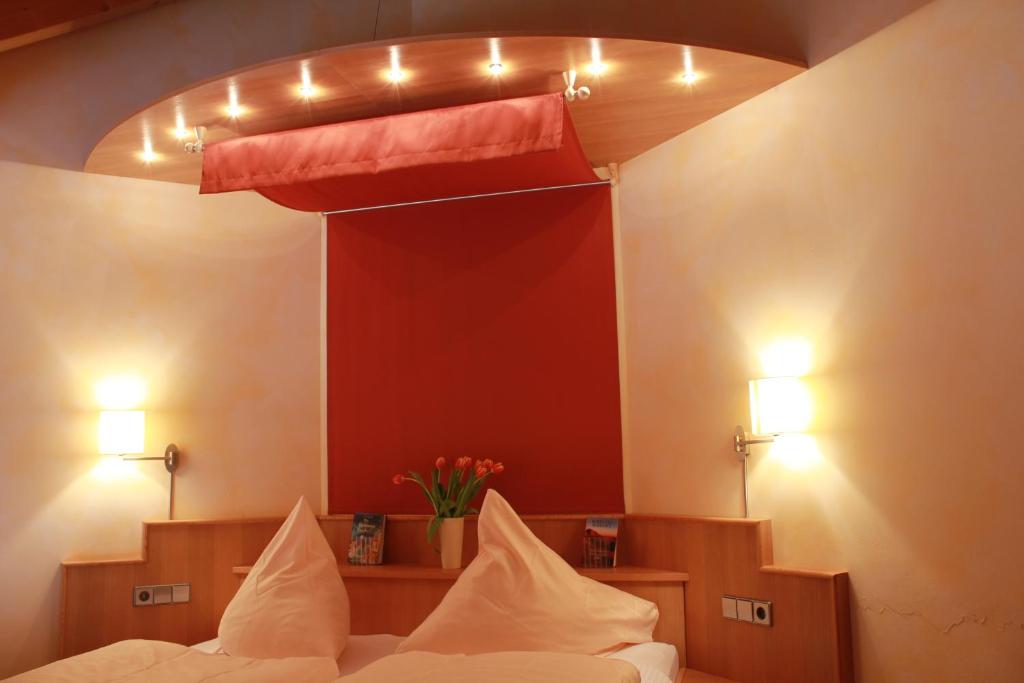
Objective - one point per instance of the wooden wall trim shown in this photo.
(810, 641)
(810, 637)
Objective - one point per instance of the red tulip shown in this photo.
(488, 463)
(481, 471)
(462, 463)
(498, 468)
(398, 479)
(439, 463)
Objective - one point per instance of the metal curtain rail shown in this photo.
(466, 196)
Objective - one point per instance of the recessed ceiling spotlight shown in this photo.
(495, 66)
(234, 109)
(147, 154)
(306, 87)
(597, 65)
(395, 74)
(180, 131)
(689, 76)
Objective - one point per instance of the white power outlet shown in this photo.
(162, 594)
(762, 613)
(142, 595)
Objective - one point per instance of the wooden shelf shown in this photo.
(629, 574)
(429, 573)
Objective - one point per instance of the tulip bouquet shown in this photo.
(452, 499)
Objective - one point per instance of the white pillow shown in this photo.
(293, 603)
(519, 595)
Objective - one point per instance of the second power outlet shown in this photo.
(747, 609)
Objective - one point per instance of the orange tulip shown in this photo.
(498, 468)
(488, 463)
(481, 471)
(439, 463)
(398, 479)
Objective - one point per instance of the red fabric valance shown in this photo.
(472, 149)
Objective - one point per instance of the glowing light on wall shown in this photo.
(597, 65)
(796, 451)
(122, 432)
(120, 392)
(113, 468)
(788, 357)
(395, 74)
(781, 408)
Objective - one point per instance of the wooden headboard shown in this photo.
(808, 642)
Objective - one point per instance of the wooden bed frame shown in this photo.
(684, 564)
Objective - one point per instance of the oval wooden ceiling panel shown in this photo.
(638, 102)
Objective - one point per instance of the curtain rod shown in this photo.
(465, 196)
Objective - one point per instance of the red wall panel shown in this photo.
(482, 327)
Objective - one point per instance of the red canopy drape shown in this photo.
(472, 149)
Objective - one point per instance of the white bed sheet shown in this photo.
(656, 662)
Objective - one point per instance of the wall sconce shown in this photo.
(123, 433)
(778, 405)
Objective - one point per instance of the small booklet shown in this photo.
(600, 542)
(367, 544)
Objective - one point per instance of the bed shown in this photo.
(366, 658)
(656, 662)
(517, 613)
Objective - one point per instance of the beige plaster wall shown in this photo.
(872, 206)
(214, 301)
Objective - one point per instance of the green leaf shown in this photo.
(437, 489)
(419, 480)
(432, 529)
(469, 493)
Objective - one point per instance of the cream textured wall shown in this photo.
(213, 300)
(874, 207)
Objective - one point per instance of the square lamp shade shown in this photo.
(122, 432)
(779, 405)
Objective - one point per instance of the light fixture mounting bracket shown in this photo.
(741, 442)
(171, 458)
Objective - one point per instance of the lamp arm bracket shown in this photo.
(741, 442)
(171, 457)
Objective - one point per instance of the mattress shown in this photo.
(656, 662)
